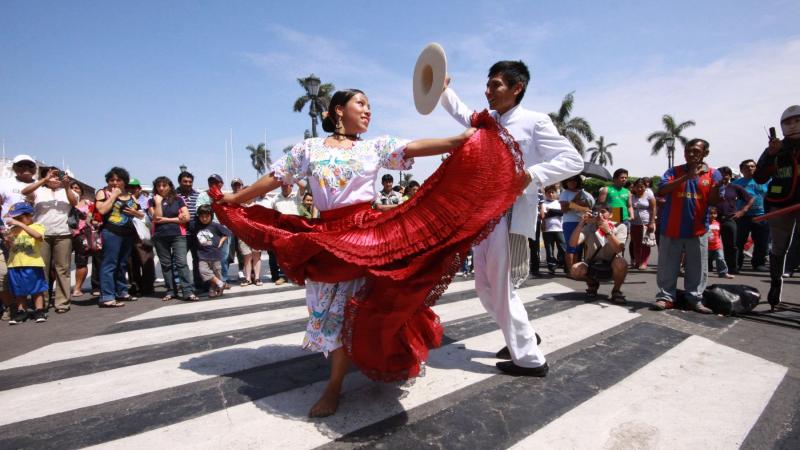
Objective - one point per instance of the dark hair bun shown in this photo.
(328, 125)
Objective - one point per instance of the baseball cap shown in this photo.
(20, 208)
(215, 178)
(134, 182)
(20, 158)
(237, 180)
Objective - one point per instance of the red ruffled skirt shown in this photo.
(408, 255)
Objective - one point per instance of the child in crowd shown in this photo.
(211, 236)
(25, 263)
(554, 243)
(715, 252)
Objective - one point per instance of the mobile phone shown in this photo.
(772, 134)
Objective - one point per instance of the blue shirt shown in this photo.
(757, 191)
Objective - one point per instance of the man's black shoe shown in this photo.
(513, 369)
(504, 353)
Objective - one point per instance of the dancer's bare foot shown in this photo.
(327, 403)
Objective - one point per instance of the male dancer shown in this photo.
(548, 158)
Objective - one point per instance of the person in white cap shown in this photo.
(24, 168)
(779, 163)
(548, 158)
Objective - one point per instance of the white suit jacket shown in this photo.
(548, 156)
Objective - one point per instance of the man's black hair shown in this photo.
(696, 140)
(185, 174)
(513, 72)
(745, 162)
(619, 172)
(387, 177)
(412, 183)
(725, 170)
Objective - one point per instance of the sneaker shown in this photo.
(702, 309)
(39, 316)
(18, 317)
(761, 268)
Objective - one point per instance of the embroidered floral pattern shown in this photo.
(326, 302)
(334, 168)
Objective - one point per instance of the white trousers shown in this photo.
(492, 259)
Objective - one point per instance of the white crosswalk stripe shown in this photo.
(638, 409)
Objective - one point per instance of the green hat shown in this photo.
(134, 182)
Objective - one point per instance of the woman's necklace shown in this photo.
(342, 136)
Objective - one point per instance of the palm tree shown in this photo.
(672, 132)
(600, 153)
(259, 158)
(320, 103)
(405, 178)
(573, 128)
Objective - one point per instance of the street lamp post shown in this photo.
(670, 142)
(311, 83)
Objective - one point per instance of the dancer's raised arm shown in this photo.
(264, 184)
(437, 146)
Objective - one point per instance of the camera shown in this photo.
(595, 214)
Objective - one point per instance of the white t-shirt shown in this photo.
(641, 207)
(552, 223)
(11, 190)
(51, 208)
(568, 196)
(286, 205)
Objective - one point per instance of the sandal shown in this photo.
(166, 298)
(192, 298)
(618, 297)
(258, 283)
(127, 298)
(591, 290)
(111, 304)
(245, 283)
(76, 294)
(661, 305)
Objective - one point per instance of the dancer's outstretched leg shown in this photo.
(329, 401)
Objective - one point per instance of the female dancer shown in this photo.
(343, 169)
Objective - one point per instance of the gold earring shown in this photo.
(339, 126)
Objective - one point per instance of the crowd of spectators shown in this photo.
(702, 219)
(50, 225)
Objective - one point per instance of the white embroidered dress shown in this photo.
(337, 178)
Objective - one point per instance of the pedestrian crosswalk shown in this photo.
(230, 373)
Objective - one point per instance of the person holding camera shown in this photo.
(604, 243)
(779, 165)
(52, 203)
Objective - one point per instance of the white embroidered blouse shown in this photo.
(341, 177)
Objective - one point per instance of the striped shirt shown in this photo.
(191, 202)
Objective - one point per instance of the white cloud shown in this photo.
(731, 97)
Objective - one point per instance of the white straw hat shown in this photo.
(429, 73)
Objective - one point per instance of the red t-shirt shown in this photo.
(714, 240)
(685, 212)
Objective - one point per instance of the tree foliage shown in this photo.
(659, 138)
(260, 158)
(600, 153)
(575, 129)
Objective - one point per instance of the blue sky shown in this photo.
(153, 85)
